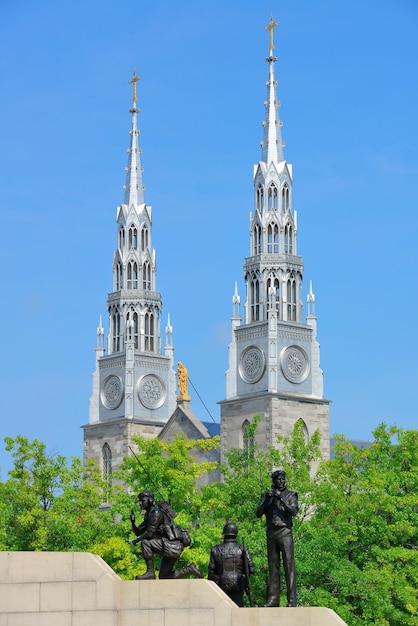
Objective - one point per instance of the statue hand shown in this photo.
(132, 516)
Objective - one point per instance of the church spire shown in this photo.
(272, 144)
(134, 189)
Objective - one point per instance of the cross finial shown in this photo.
(272, 25)
(133, 82)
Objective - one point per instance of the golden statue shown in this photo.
(183, 380)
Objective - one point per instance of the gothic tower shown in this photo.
(273, 367)
(134, 383)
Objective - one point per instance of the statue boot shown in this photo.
(150, 573)
(186, 571)
(273, 598)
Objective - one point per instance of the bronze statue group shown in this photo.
(230, 564)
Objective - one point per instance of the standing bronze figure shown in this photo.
(158, 535)
(279, 505)
(231, 565)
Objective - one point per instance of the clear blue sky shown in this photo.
(348, 86)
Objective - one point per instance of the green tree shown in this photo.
(170, 471)
(359, 551)
(247, 474)
(47, 504)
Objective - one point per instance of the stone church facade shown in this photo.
(274, 355)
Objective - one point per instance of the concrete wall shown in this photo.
(79, 589)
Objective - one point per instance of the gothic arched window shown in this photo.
(285, 197)
(272, 198)
(132, 281)
(288, 239)
(107, 468)
(272, 239)
(273, 293)
(118, 277)
(300, 423)
(291, 299)
(260, 198)
(257, 239)
(149, 331)
(116, 331)
(248, 439)
(133, 237)
(146, 276)
(135, 330)
(255, 299)
(121, 238)
(144, 238)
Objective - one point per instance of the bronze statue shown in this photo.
(158, 535)
(279, 505)
(231, 565)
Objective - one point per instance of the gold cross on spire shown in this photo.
(133, 82)
(272, 25)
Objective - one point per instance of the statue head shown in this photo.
(230, 530)
(279, 479)
(146, 499)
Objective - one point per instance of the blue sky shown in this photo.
(348, 86)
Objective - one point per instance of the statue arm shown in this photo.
(290, 503)
(137, 530)
(261, 509)
(212, 567)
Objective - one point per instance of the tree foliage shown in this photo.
(47, 504)
(356, 534)
(359, 552)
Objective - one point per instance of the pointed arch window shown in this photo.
(272, 198)
(304, 429)
(291, 299)
(118, 277)
(135, 330)
(257, 239)
(133, 237)
(149, 331)
(260, 198)
(144, 238)
(248, 440)
(272, 239)
(107, 469)
(132, 329)
(121, 238)
(255, 299)
(132, 280)
(116, 331)
(285, 197)
(146, 276)
(288, 239)
(273, 293)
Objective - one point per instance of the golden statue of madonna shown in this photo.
(183, 382)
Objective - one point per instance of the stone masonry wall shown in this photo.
(80, 589)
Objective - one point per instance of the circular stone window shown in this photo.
(112, 392)
(252, 363)
(151, 391)
(294, 364)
